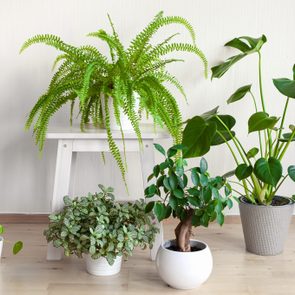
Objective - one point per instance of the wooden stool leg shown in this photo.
(61, 186)
(147, 164)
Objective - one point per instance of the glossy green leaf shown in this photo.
(239, 94)
(210, 114)
(219, 70)
(285, 86)
(203, 165)
(156, 170)
(150, 191)
(252, 152)
(178, 193)
(197, 137)
(194, 201)
(203, 180)
(220, 218)
(243, 171)
(245, 44)
(173, 202)
(160, 211)
(229, 122)
(149, 207)
(238, 44)
(229, 203)
(269, 171)
(286, 137)
(167, 184)
(291, 172)
(261, 121)
(17, 247)
(160, 149)
(173, 181)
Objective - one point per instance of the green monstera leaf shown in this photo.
(261, 121)
(247, 45)
(239, 93)
(269, 171)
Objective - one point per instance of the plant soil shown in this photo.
(277, 201)
(177, 249)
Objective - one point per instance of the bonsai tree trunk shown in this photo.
(183, 232)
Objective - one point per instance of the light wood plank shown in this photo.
(235, 272)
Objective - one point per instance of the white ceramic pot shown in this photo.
(125, 122)
(184, 270)
(101, 267)
(1, 246)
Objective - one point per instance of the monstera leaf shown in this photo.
(239, 93)
(268, 170)
(285, 85)
(260, 121)
(206, 130)
(247, 45)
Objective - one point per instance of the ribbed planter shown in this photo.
(265, 227)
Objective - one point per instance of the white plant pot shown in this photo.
(184, 270)
(101, 267)
(1, 245)
(125, 122)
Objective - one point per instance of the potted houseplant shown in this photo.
(114, 92)
(17, 247)
(265, 215)
(185, 263)
(101, 230)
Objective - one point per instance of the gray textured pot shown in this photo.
(265, 227)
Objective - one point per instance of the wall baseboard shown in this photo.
(7, 218)
(23, 218)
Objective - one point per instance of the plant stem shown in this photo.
(237, 143)
(287, 145)
(237, 162)
(281, 126)
(259, 133)
(262, 101)
(284, 178)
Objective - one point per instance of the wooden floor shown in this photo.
(235, 271)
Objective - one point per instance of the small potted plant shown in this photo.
(264, 213)
(17, 247)
(186, 263)
(113, 91)
(101, 230)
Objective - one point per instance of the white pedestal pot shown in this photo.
(100, 266)
(184, 270)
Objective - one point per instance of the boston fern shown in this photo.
(89, 78)
(259, 168)
(101, 227)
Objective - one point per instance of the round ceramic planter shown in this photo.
(101, 267)
(265, 227)
(184, 270)
(1, 246)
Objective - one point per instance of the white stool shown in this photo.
(72, 140)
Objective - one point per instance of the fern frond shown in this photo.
(185, 47)
(112, 145)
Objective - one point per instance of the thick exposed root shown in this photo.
(183, 232)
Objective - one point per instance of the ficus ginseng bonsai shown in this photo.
(87, 77)
(17, 246)
(193, 204)
(259, 169)
(101, 227)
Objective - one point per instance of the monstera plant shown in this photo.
(131, 76)
(259, 168)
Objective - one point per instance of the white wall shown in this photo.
(26, 179)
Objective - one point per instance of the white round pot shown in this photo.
(101, 267)
(184, 270)
(125, 122)
(1, 246)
